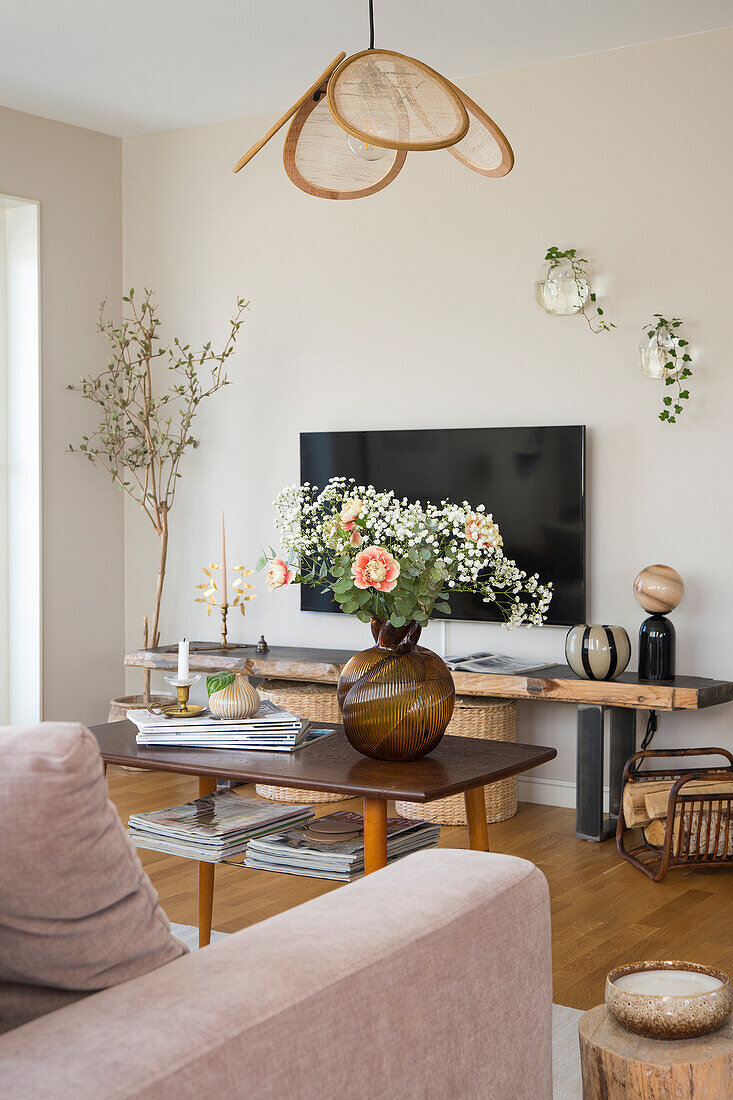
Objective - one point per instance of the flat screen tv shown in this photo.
(531, 479)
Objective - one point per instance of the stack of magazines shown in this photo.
(333, 847)
(214, 827)
(272, 729)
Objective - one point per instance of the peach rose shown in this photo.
(278, 574)
(350, 513)
(375, 568)
(482, 530)
(356, 538)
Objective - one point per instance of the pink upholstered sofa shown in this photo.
(431, 978)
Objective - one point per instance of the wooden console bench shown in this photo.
(555, 684)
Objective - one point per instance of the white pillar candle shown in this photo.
(224, 600)
(668, 983)
(183, 659)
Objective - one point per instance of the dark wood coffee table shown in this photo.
(459, 765)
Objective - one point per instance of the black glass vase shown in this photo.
(656, 649)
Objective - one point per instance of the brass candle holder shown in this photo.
(183, 709)
(241, 591)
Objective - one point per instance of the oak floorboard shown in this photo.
(604, 911)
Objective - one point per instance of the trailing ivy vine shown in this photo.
(672, 346)
(554, 257)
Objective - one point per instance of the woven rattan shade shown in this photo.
(490, 720)
(318, 703)
(484, 149)
(396, 102)
(289, 113)
(318, 159)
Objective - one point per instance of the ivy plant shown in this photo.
(596, 320)
(673, 352)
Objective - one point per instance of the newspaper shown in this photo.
(493, 662)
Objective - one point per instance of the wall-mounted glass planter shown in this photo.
(654, 354)
(562, 292)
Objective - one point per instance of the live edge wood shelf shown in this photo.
(620, 699)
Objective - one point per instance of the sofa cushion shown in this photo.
(77, 911)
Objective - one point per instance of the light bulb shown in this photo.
(365, 149)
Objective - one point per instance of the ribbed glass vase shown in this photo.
(396, 698)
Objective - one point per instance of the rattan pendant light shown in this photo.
(352, 128)
(318, 159)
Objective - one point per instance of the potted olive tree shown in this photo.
(144, 432)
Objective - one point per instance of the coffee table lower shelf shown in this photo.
(459, 765)
(375, 845)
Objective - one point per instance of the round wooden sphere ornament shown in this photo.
(659, 589)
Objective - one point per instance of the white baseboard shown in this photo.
(551, 792)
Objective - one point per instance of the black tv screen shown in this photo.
(531, 479)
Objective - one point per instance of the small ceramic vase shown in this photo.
(597, 652)
(237, 700)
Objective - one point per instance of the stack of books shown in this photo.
(271, 729)
(213, 828)
(332, 847)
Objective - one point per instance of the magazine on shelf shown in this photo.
(253, 743)
(294, 852)
(493, 662)
(214, 826)
(269, 718)
(182, 734)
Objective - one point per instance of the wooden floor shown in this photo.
(604, 912)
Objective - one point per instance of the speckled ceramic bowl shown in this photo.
(665, 1016)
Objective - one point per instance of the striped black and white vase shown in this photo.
(597, 652)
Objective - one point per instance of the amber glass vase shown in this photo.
(397, 697)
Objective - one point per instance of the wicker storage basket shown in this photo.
(492, 720)
(318, 703)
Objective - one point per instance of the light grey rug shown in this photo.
(565, 1051)
(566, 1084)
(190, 935)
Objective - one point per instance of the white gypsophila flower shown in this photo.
(458, 545)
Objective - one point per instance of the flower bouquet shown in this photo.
(393, 563)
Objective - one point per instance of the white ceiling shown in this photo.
(139, 66)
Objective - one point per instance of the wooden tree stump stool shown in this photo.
(618, 1065)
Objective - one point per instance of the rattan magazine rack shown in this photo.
(685, 814)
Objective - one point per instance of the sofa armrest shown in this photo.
(430, 978)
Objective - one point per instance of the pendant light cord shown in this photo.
(371, 24)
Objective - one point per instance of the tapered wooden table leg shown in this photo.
(478, 836)
(207, 785)
(375, 834)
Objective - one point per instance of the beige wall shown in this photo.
(75, 176)
(415, 308)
